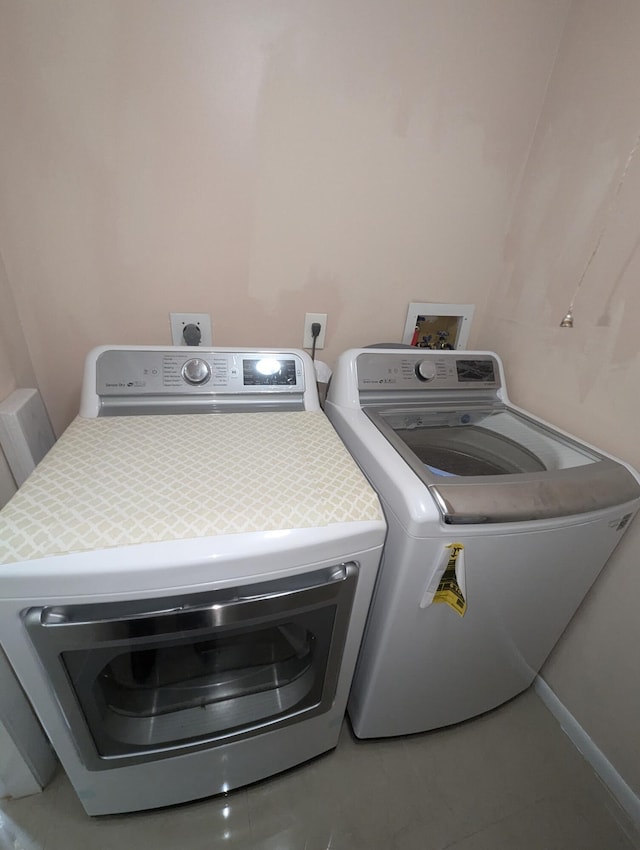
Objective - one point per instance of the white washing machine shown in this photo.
(498, 526)
(185, 578)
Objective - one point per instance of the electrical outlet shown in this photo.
(179, 321)
(309, 319)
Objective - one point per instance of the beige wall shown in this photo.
(257, 159)
(576, 198)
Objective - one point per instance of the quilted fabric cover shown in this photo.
(128, 480)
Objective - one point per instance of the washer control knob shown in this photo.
(426, 370)
(196, 371)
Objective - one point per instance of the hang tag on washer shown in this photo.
(452, 587)
(448, 583)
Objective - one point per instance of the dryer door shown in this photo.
(140, 679)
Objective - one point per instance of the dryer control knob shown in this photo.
(426, 370)
(196, 371)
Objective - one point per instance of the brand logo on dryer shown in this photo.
(120, 385)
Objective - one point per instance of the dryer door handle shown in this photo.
(70, 626)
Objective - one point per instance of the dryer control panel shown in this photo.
(133, 372)
(123, 380)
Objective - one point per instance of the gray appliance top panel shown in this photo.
(134, 381)
(426, 371)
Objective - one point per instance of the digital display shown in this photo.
(268, 372)
(476, 371)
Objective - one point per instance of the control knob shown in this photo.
(196, 371)
(426, 370)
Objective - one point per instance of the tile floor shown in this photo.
(510, 779)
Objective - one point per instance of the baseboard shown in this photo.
(592, 753)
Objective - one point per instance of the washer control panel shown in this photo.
(139, 373)
(427, 370)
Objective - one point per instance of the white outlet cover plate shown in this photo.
(309, 319)
(178, 322)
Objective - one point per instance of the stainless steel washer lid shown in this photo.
(493, 464)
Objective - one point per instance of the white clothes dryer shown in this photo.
(184, 579)
(498, 525)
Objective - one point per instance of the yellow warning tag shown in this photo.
(449, 590)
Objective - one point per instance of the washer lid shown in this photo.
(493, 464)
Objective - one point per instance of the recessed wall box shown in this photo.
(438, 326)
